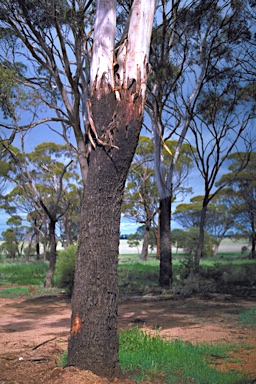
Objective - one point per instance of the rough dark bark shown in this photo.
(165, 275)
(52, 253)
(93, 341)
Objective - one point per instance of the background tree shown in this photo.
(191, 243)
(241, 193)
(219, 219)
(69, 223)
(13, 237)
(140, 197)
(218, 128)
(197, 44)
(178, 237)
(41, 181)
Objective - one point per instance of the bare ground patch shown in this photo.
(34, 331)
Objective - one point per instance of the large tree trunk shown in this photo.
(53, 255)
(165, 275)
(93, 342)
(115, 112)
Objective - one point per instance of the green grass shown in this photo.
(147, 357)
(248, 317)
(32, 290)
(138, 277)
(15, 291)
(23, 273)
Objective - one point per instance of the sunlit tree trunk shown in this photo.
(115, 111)
(144, 251)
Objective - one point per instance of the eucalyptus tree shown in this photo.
(219, 219)
(194, 43)
(13, 236)
(36, 219)
(69, 223)
(223, 122)
(41, 180)
(241, 192)
(141, 200)
(96, 91)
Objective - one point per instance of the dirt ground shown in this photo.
(34, 331)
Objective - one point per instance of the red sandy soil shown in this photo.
(35, 330)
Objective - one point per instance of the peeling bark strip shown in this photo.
(115, 111)
(133, 52)
(103, 44)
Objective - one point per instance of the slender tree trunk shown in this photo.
(165, 276)
(144, 252)
(67, 231)
(158, 247)
(37, 242)
(216, 248)
(93, 342)
(253, 237)
(201, 236)
(158, 251)
(53, 255)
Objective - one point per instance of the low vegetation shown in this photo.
(221, 273)
(147, 357)
(143, 357)
(23, 273)
(152, 359)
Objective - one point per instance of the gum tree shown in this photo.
(97, 94)
(194, 43)
(42, 183)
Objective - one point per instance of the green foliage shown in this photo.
(241, 191)
(65, 268)
(192, 240)
(134, 240)
(153, 358)
(178, 238)
(10, 244)
(138, 277)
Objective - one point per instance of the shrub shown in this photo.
(192, 240)
(65, 268)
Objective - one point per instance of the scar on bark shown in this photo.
(76, 324)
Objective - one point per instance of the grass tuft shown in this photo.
(152, 358)
(248, 316)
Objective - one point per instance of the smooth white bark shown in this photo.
(103, 46)
(134, 50)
